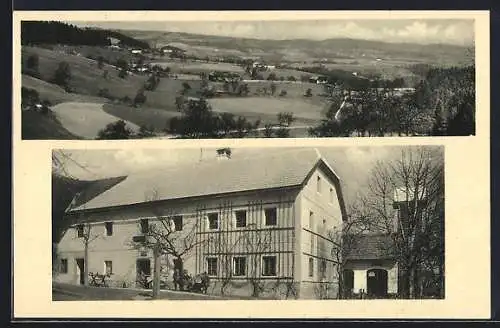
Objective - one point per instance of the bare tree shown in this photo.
(256, 242)
(285, 118)
(167, 234)
(344, 239)
(405, 199)
(84, 232)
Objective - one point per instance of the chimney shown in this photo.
(223, 153)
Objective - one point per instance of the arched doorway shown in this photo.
(376, 282)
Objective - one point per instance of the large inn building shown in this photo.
(266, 218)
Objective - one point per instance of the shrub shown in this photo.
(272, 77)
(103, 93)
(29, 96)
(115, 131)
(145, 132)
(100, 62)
(140, 98)
(62, 75)
(283, 93)
(122, 73)
(268, 130)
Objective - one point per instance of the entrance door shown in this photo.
(348, 282)
(143, 269)
(376, 282)
(80, 264)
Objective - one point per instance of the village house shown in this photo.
(371, 263)
(264, 219)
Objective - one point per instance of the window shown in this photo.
(144, 225)
(178, 222)
(212, 266)
(108, 267)
(322, 269)
(311, 267)
(63, 268)
(331, 195)
(311, 220)
(318, 184)
(241, 219)
(213, 221)
(79, 230)
(109, 228)
(239, 266)
(270, 214)
(269, 265)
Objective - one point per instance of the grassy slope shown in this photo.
(38, 126)
(86, 78)
(309, 49)
(149, 117)
(54, 93)
(160, 104)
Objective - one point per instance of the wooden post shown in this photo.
(86, 264)
(156, 275)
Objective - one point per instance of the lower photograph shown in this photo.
(248, 223)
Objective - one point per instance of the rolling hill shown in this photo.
(345, 48)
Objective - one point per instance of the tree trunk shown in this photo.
(156, 275)
(86, 265)
(404, 283)
(411, 281)
(441, 280)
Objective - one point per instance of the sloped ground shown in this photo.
(85, 119)
(54, 93)
(37, 126)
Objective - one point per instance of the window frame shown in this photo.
(63, 264)
(216, 266)
(217, 219)
(176, 219)
(106, 230)
(244, 258)
(106, 267)
(80, 231)
(275, 269)
(236, 219)
(275, 211)
(322, 268)
(144, 226)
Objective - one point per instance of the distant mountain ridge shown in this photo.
(184, 35)
(336, 47)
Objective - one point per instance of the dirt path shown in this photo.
(85, 119)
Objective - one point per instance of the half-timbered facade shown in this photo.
(258, 223)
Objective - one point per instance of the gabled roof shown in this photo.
(277, 169)
(369, 247)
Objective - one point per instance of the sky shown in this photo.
(352, 164)
(423, 31)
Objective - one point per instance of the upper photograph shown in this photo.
(247, 79)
